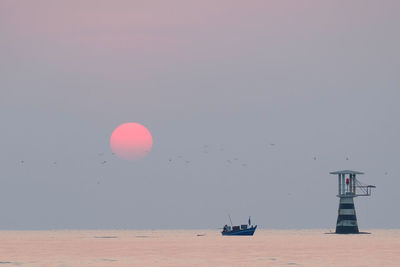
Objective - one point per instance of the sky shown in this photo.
(250, 104)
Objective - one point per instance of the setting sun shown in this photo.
(131, 141)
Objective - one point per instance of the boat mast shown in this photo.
(230, 219)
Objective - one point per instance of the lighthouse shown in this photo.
(349, 188)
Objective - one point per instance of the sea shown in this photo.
(315, 247)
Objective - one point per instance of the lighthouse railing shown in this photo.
(363, 189)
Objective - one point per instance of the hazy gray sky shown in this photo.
(212, 81)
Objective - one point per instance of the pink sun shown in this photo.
(131, 141)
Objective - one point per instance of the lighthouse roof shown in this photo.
(346, 172)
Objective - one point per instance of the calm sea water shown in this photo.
(198, 248)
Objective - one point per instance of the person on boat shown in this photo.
(225, 228)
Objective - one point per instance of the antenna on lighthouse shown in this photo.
(349, 188)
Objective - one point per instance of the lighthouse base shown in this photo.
(347, 220)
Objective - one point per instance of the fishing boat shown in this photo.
(244, 229)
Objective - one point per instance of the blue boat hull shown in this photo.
(249, 231)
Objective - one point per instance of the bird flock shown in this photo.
(206, 149)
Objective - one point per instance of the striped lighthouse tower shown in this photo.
(349, 188)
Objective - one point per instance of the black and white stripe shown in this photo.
(347, 219)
